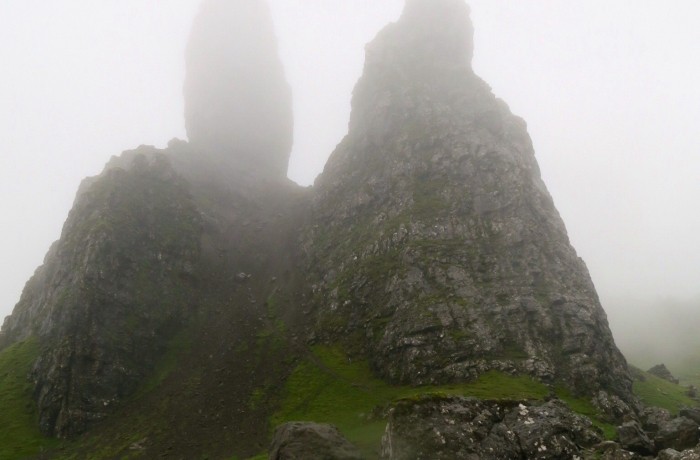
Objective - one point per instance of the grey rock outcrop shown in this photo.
(115, 285)
(672, 454)
(436, 248)
(633, 438)
(680, 433)
(311, 441)
(661, 371)
(691, 413)
(610, 450)
(238, 105)
(653, 417)
(454, 427)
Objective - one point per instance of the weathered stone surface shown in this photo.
(672, 454)
(661, 371)
(680, 433)
(609, 450)
(454, 427)
(114, 286)
(238, 105)
(311, 441)
(653, 417)
(691, 413)
(633, 438)
(436, 249)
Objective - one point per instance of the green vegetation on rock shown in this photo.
(19, 430)
(329, 387)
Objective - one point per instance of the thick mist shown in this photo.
(238, 105)
(609, 91)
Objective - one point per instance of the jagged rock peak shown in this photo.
(426, 54)
(448, 256)
(238, 104)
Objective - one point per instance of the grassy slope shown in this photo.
(328, 388)
(654, 391)
(325, 387)
(19, 432)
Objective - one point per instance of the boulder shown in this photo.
(692, 391)
(680, 433)
(672, 454)
(693, 414)
(653, 417)
(311, 441)
(633, 438)
(609, 450)
(438, 427)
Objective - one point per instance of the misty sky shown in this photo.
(609, 88)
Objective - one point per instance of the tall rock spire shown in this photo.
(238, 105)
(448, 257)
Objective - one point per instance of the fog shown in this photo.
(609, 90)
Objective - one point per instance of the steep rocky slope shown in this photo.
(110, 293)
(197, 297)
(163, 238)
(438, 250)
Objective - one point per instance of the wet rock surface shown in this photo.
(455, 427)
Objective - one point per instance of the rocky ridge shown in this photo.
(429, 247)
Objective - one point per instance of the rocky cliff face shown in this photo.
(238, 107)
(438, 250)
(110, 293)
(429, 246)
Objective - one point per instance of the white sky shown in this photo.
(610, 90)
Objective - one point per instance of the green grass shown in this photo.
(585, 407)
(654, 391)
(19, 427)
(329, 388)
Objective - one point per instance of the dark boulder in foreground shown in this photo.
(311, 441)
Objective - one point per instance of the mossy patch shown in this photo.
(19, 427)
(330, 387)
